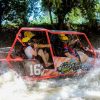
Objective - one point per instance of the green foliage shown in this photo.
(76, 8)
(44, 19)
(13, 9)
(75, 16)
(98, 7)
(56, 3)
(79, 11)
(9, 24)
(46, 4)
(88, 8)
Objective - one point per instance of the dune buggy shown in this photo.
(61, 65)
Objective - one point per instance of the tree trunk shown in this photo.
(61, 21)
(25, 21)
(0, 21)
(49, 9)
(50, 16)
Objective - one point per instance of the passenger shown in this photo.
(41, 50)
(28, 50)
(32, 50)
(69, 51)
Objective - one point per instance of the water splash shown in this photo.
(12, 86)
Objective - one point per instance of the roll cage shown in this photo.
(18, 39)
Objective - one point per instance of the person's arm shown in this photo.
(41, 45)
(70, 56)
(34, 52)
(73, 42)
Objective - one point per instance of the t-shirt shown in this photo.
(29, 52)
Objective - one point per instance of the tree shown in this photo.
(47, 5)
(13, 9)
(62, 7)
(88, 10)
(98, 11)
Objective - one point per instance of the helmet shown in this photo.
(63, 37)
(25, 39)
(28, 34)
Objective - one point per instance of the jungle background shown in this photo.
(76, 15)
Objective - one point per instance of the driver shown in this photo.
(69, 51)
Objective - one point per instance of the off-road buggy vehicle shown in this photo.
(61, 65)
